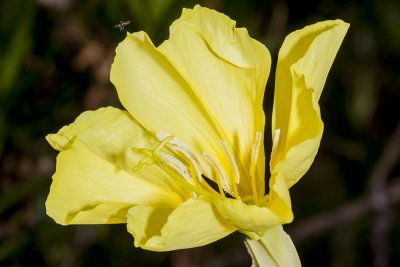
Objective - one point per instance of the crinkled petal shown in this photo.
(111, 133)
(94, 180)
(193, 223)
(88, 189)
(108, 131)
(253, 218)
(303, 65)
(274, 249)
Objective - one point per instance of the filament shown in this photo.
(232, 161)
(255, 151)
(220, 172)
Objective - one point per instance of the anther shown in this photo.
(177, 165)
(177, 145)
(277, 134)
(220, 172)
(232, 161)
(255, 150)
(189, 156)
(275, 142)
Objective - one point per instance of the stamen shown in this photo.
(232, 161)
(177, 165)
(162, 135)
(177, 145)
(220, 172)
(189, 167)
(189, 156)
(253, 164)
(275, 143)
(277, 134)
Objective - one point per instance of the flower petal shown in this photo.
(228, 77)
(87, 189)
(303, 65)
(274, 249)
(157, 96)
(193, 223)
(217, 98)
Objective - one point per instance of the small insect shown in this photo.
(121, 25)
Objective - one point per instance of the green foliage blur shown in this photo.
(55, 57)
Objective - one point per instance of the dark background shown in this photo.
(55, 57)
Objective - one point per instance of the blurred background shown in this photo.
(55, 57)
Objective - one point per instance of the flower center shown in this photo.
(177, 160)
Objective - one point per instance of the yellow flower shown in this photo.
(184, 165)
